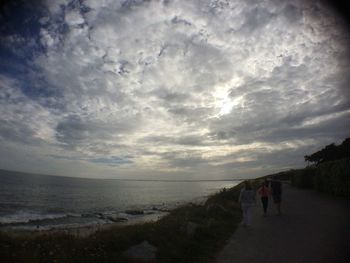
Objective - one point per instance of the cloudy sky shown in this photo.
(172, 89)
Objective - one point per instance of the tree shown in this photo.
(330, 152)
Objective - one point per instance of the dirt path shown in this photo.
(312, 228)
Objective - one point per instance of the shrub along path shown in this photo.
(312, 228)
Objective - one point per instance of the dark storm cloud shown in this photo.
(110, 161)
(183, 160)
(191, 140)
(17, 132)
(170, 97)
(191, 114)
(255, 19)
(263, 160)
(21, 119)
(334, 128)
(76, 131)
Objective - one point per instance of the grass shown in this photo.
(213, 223)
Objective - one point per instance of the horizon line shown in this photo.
(126, 179)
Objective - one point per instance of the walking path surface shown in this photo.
(312, 228)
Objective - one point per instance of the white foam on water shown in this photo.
(27, 216)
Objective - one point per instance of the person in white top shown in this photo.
(247, 200)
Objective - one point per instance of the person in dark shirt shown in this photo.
(276, 189)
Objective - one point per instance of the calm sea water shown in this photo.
(38, 201)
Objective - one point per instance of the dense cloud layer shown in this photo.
(199, 89)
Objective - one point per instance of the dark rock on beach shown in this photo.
(117, 219)
(134, 212)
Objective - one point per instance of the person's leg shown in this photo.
(277, 201)
(249, 215)
(264, 201)
(279, 207)
(244, 215)
(279, 204)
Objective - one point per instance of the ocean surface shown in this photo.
(32, 202)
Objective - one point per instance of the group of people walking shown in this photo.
(247, 198)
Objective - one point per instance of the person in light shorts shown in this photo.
(247, 200)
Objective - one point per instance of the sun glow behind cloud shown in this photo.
(203, 89)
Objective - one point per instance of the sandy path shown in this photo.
(312, 228)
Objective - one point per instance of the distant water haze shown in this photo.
(29, 201)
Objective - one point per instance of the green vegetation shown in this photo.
(303, 178)
(333, 178)
(328, 177)
(212, 224)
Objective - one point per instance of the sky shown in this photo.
(170, 89)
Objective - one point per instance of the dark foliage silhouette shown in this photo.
(330, 153)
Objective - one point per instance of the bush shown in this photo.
(303, 178)
(226, 195)
(334, 178)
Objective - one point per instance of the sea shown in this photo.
(32, 202)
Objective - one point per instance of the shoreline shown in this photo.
(134, 217)
(126, 218)
(57, 217)
(84, 230)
